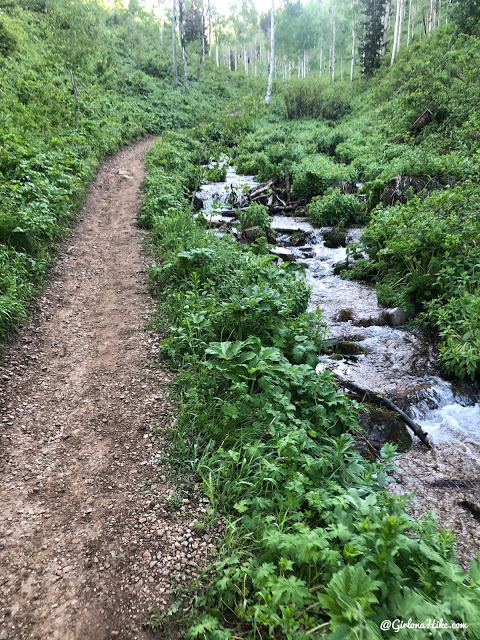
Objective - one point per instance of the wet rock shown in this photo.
(399, 188)
(381, 426)
(286, 255)
(308, 252)
(271, 236)
(335, 238)
(298, 238)
(344, 315)
(251, 233)
(197, 203)
(395, 317)
(339, 267)
(349, 348)
(374, 320)
(343, 186)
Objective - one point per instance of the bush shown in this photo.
(335, 209)
(314, 174)
(255, 215)
(424, 257)
(316, 98)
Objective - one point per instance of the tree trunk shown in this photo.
(160, 25)
(209, 30)
(431, 17)
(352, 65)
(174, 29)
(272, 55)
(396, 31)
(334, 37)
(182, 42)
(386, 26)
(409, 36)
(321, 55)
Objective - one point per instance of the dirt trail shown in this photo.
(88, 543)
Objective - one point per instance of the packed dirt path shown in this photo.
(92, 532)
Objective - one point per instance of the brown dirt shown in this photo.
(90, 537)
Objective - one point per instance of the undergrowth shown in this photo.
(315, 545)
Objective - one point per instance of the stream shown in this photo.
(398, 361)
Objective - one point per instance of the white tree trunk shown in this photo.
(334, 37)
(431, 17)
(396, 31)
(174, 29)
(386, 26)
(182, 42)
(321, 55)
(209, 30)
(352, 64)
(272, 56)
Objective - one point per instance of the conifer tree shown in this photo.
(373, 34)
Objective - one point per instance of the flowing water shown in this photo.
(400, 362)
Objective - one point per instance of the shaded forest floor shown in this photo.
(94, 532)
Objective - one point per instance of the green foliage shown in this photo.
(314, 543)
(335, 209)
(75, 85)
(313, 175)
(466, 14)
(373, 30)
(217, 173)
(424, 255)
(8, 42)
(255, 215)
(316, 98)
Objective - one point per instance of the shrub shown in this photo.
(314, 174)
(335, 209)
(255, 215)
(316, 98)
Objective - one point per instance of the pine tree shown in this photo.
(373, 34)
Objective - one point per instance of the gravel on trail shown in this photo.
(93, 532)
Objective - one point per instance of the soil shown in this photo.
(94, 532)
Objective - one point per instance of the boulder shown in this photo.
(335, 238)
(308, 252)
(349, 348)
(286, 255)
(338, 267)
(251, 233)
(298, 238)
(374, 320)
(271, 236)
(399, 188)
(395, 317)
(344, 315)
(197, 203)
(381, 426)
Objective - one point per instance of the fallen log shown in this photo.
(386, 402)
(261, 188)
(289, 207)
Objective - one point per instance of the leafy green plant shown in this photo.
(255, 215)
(335, 208)
(313, 543)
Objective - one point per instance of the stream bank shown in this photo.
(394, 360)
